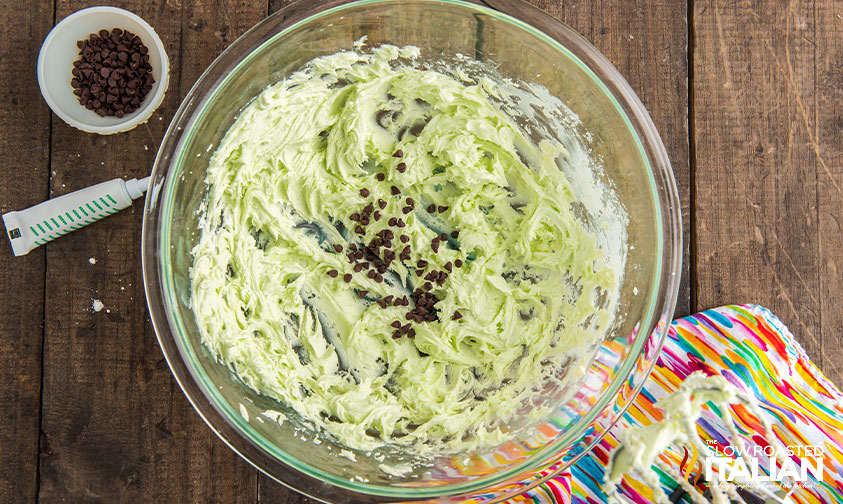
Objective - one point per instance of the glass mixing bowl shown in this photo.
(521, 42)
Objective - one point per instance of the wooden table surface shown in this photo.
(748, 98)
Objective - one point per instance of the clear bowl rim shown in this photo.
(218, 415)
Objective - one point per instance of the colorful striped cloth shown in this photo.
(751, 348)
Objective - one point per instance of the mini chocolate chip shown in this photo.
(347, 277)
(402, 167)
(358, 267)
(401, 223)
(441, 209)
(338, 247)
(382, 268)
(398, 153)
(371, 273)
(381, 303)
(411, 333)
(428, 286)
(378, 278)
(455, 234)
(395, 190)
(333, 273)
(377, 215)
(364, 192)
(396, 324)
(458, 263)
(443, 237)
(396, 334)
(409, 315)
(456, 316)
(448, 266)
(381, 177)
(404, 238)
(355, 216)
(361, 294)
(406, 210)
(359, 230)
(392, 221)
(419, 272)
(431, 208)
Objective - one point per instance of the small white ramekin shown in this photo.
(59, 51)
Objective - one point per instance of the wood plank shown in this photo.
(26, 162)
(647, 42)
(116, 423)
(826, 127)
(757, 170)
(107, 397)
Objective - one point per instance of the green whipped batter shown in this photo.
(269, 286)
(640, 448)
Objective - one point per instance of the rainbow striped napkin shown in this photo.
(751, 348)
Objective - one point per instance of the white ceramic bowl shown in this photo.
(59, 51)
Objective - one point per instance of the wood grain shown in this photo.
(647, 42)
(827, 135)
(107, 396)
(117, 425)
(26, 173)
(762, 176)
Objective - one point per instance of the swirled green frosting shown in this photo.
(283, 187)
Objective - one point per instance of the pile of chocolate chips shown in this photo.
(373, 259)
(112, 75)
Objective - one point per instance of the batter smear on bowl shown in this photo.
(387, 252)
